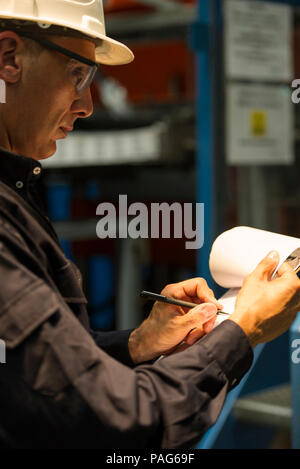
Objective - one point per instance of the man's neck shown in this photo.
(5, 140)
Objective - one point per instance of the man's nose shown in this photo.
(83, 105)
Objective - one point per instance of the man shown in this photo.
(63, 385)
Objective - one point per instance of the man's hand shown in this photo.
(265, 309)
(168, 325)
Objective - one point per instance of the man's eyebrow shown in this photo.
(78, 64)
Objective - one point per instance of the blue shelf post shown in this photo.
(295, 381)
(202, 41)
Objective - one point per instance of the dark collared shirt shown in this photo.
(65, 386)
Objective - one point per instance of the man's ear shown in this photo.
(10, 62)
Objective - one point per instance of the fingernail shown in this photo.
(273, 255)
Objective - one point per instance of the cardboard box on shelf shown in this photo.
(162, 72)
(118, 6)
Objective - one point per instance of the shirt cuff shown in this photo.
(230, 348)
(115, 343)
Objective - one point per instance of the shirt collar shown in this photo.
(18, 170)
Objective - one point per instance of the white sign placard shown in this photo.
(258, 40)
(259, 124)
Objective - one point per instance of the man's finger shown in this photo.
(212, 299)
(194, 290)
(267, 265)
(194, 335)
(286, 270)
(199, 315)
(200, 291)
(287, 276)
(197, 333)
(209, 325)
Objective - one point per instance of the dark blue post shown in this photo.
(295, 382)
(201, 42)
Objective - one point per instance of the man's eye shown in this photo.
(78, 72)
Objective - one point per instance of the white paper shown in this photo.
(236, 253)
(228, 301)
(259, 124)
(258, 40)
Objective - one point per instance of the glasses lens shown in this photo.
(81, 75)
(87, 81)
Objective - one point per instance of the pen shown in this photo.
(172, 301)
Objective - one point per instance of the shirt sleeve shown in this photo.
(115, 343)
(58, 389)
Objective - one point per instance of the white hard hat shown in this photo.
(83, 16)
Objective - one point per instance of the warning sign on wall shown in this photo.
(259, 122)
(258, 40)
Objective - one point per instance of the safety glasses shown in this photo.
(81, 71)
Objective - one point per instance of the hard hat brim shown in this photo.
(108, 52)
(112, 52)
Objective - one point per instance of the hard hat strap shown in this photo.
(62, 50)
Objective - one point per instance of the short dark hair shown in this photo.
(54, 30)
(33, 47)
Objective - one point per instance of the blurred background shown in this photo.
(203, 114)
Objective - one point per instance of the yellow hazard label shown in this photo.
(258, 123)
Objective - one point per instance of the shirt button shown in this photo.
(37, 171)
(19, 184)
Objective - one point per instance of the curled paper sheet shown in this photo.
(236, 253)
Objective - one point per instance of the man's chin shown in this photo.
(51, 150)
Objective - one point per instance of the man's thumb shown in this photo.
(267, 266)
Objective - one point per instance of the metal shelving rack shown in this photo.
(295, 387)
(168, 14)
